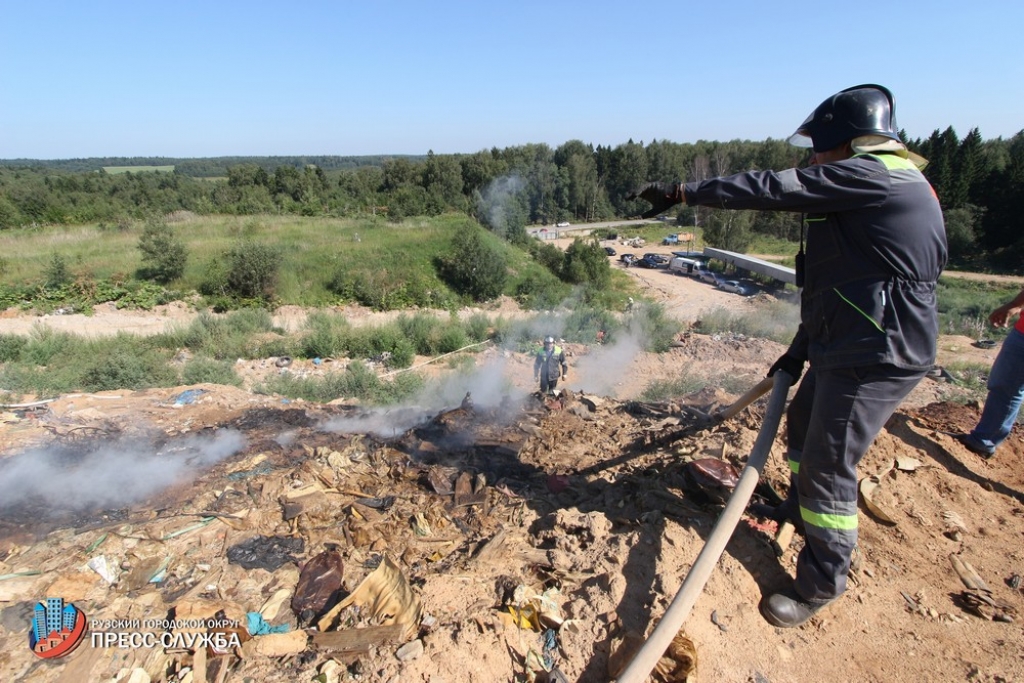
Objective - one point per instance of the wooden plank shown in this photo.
(356, 640)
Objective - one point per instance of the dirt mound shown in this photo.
(496, 538)
(523, 536)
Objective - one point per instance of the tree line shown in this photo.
(980, 184)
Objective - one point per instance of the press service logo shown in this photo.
(57, 628)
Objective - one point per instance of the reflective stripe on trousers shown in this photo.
(831, 422)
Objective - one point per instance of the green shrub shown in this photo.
(402, 354)
(226, 338)
(45, 345)
(474, 267)
(586, 263)
(478, 327)
(452, 337)
(584, 323)
(269, 345)
(666, 389)
(654, 328)
(538, 289)
(252, 270)
(164, 256)
(57, 272)
(11, 346)
(964, 306)
(202, 370)
(421, 330)
(357, 381)
(549, 256)
(777, 320)
(249, 321)
(324, 336)
(122, 363)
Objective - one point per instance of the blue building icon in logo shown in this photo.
(57, 628)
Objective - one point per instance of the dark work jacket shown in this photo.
(876, 245)
(552, 363)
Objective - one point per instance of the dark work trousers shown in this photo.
(547, 384)
(831, 422)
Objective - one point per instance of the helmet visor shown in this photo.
(801, 138)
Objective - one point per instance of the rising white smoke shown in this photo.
(111, 475)
(601, 370)
(499, 205)
(488, 388)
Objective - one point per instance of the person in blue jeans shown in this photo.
(1005, 385)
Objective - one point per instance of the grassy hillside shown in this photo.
(321, 261)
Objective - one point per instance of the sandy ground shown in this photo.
(587, 499)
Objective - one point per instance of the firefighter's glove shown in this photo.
(793, 366)
(661, 196)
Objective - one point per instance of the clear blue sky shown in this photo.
(185, 78)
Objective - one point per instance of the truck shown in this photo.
(671, 239)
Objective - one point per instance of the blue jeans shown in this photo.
(1005, 393)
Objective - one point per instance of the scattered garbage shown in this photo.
(387, 597)
(713, 478)
(978, 599)
(266, 552)
(479, 504)
(188, 396)
(258, 626)
(101, 566)
(319, 587)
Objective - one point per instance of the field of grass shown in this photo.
(318, 256)
(137, 169)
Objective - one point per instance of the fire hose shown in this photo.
(649, 654)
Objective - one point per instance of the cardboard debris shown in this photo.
(869, 490)
(387, 596)
(462, 504)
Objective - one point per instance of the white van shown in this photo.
(683, 266)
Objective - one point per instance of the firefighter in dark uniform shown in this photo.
(549, 364)
(876, 245)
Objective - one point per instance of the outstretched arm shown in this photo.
(1001, 315)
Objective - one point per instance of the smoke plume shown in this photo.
(111, 474)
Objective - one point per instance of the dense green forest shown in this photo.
(980, 184)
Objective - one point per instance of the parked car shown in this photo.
(609, 251)
(653, 261)
(734, 286)
(707, 275)
(562, 224)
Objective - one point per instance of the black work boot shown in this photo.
(787, 609)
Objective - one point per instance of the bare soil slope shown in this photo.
(531, 537)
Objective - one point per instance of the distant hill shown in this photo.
(208, 167)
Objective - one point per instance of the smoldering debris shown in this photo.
(487, 387)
